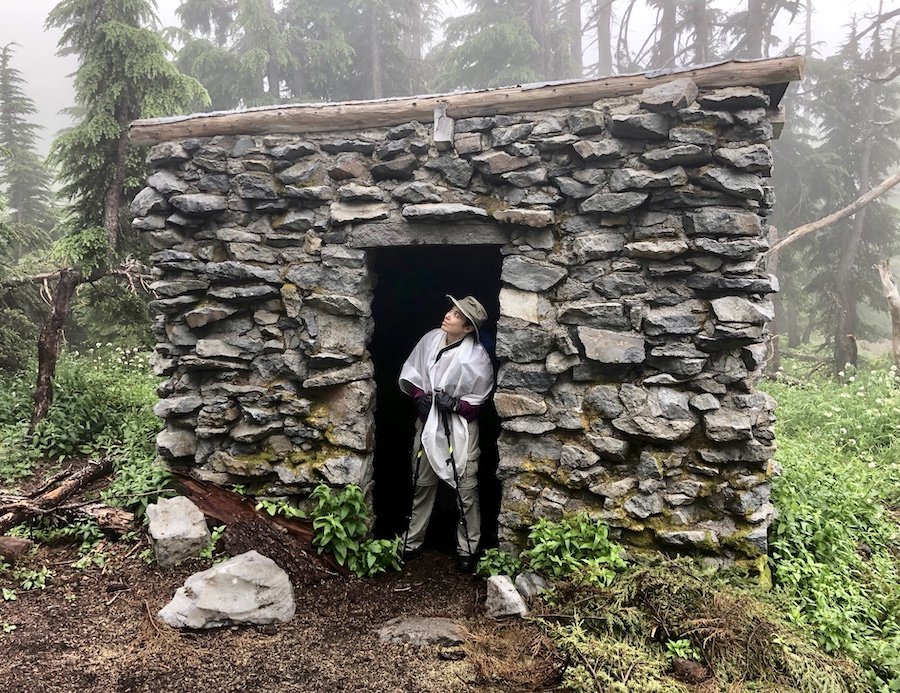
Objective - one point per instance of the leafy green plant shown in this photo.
(9, 595)
(497, 562)
(576, 546)
(209, 551)
(340, 521)
(8, 628)
(279, 506)
(683, 648)
(33, 579)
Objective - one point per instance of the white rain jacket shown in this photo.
(462, 370)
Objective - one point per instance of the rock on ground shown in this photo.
(177, 529)
(246, 589)
(418, 630)
(503, 599)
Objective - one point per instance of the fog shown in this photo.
(49, 84)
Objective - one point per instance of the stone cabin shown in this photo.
(614, 228)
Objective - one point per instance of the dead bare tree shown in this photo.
(892, 294)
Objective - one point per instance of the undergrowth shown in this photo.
(102, 407)
(833, 548)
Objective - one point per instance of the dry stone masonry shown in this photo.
(633, 308)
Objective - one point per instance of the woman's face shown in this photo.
(455, 325)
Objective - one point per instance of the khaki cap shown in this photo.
(472, 309)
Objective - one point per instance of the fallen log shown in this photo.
(288, 542)
(26, 509)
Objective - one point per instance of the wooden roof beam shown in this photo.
(360, 115)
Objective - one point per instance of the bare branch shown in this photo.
(860, 202)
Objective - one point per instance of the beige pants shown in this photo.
(425, 493)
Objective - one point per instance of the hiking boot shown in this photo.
(466, 564)
(411, 555)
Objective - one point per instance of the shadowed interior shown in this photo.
(412, 282)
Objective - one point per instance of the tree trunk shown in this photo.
(48, 500)
(573, 29)
(700, 20)
(792, 320)
(604, 38)
(48, 344)
(665, 44)
(808, 47)
(892, 294)
(112, 199)
(846, 325)
(539, 23)
(753, 39)
(375, 54)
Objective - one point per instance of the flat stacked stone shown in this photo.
(633, 309)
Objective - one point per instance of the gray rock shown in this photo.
(177, 406)
(744, 185)
(598, 150)
(303, 174)
(535, 218)
(244, 590)
(522, 342)
(657, 248)
(692, 135)
(669, 97)
(531, 426)
(495, 163)
(592, 314)
(420, 631)
(531, 376)
(725, 425)
(530, 275)
(167, 183)
(738, 248)
(679, 155)
(742, 310)
(598, 246)
(449, 211)
(339, 305)
(654, 427)
(177, 530)
(353, 192)
(174, 444)
(199, 204)
(255, 186)
(401, 168)
(635, 179)
(510, 404)
(604, 399)
(454, 170)
(148, 201)
(231, 270)
(503, 599)
(689, 538)
(530, 585)
(735, 98)
(609, 447)
(755, 158)
(717, 222)
(347, 212)
(613, 203)
(651, 126)
(417, 192)
(586, 121)
(619, 284)
(751, 285)
(642, 506)
(705, 402)
(336, 376)
(606, 346)
(167, 154)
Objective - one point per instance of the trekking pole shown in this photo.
(452, 462)
(412, 498)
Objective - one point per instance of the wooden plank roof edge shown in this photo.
(347, 115)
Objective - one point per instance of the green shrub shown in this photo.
(340, 521)
(576, 545)
(497, 562)
(102, 407)
(833, 554)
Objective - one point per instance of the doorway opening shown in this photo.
(412, 282)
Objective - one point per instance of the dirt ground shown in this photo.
(95, 630)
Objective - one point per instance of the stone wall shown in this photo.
(633, 306)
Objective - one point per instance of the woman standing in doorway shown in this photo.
(449, 375)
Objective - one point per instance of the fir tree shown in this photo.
(23, 176)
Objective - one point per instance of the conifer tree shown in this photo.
(23, 177)
(123, 73)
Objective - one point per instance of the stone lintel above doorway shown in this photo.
(404, 233)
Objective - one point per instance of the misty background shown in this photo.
(49, 80)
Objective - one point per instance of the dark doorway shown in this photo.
(412, 282)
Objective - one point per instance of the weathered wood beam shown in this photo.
(359, 115)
